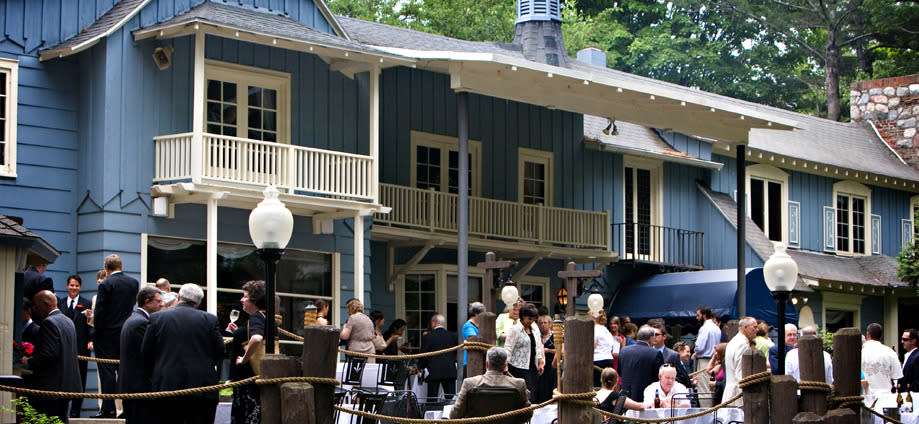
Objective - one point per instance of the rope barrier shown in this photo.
(99, 360)
(752, 379)
(695, 373)
(671, 419)
(289, 334)
(468, 345)
(816, 386)
(882, 416)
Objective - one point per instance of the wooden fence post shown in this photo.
(475, 359)
(756, 396)
(274, 366)
(847, 364)
(578, 369)
(807, 418)
(810, 360)
(298, 403)
(784, 398)
(320, 356)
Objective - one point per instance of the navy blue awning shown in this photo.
(675, 297)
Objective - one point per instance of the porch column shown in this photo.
(7, 288)
(197, 126)
(211, 261)
(741, 230)
(462, 213)
(375, 133)
(359, 257)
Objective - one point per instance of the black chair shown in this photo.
(483, 401)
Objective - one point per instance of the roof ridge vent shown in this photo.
(538, 10)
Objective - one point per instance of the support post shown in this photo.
(211, 260)
(578, 367)
(297, 403)
(270, 257)
(487, 327)
(320, 355)
(490, 265)
(807, 418)
(783, 395)
(810, 359)
(755, 397)
(847, 359)
(475, 359)
(741, 230)
(274, 366)
(571, 276)
(462, 212)
(781, 298)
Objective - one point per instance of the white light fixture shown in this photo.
(271, 223)
(509, 293)
(595, 300)
(780, 271)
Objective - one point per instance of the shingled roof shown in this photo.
(14, 234)
(109, 22)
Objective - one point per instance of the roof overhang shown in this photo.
(342, 59)
(617, 95)
(851, 287)
(62, 51)
(666, 157)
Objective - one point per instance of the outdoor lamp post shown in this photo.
(270, 226)
(780, 272)
(509, 293)
(595, 300)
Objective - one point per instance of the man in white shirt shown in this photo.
(879, 362)
(793, 367)
(709, 336)
(733, 357)
(666, 387)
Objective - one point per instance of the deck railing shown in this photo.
(435, 211)
(299, 169)
(659, 245)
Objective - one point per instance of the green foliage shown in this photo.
(28, 415)
(827, 339)
(908, 260)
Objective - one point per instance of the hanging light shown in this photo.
(509, 293)
(595, 300)
(562, 297)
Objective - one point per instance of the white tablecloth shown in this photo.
(889, 400)
(724, 415)
(543, 415)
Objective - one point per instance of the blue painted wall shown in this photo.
(690, 145)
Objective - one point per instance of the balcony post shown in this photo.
(291, 167)
(197, 142)
(374, 134)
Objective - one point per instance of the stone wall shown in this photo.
(893, 105)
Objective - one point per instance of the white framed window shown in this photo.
(536, 291)
(9, 83)
(535, 176)
(247, 102)
(841, 310)
(435, 163)
(852, 202)
(913, 233)
(767, 197)
(643, 197)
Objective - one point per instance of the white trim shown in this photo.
(45, 55)
(857, 190)
(911, 214)
(842, 302)
(543, 283)
(446, 144)
(768, 174)
(656, 167)
(794, 223)
(10, 67)
(245, 76)
(540, 157)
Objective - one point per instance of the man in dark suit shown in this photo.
(638, 364)
(791, 341)
(54, 365)
(910, 380)
(131, 375)
(29, 326)
(114, 302)
(667, 355)
(34, 280)
(180, 350)
(441, 368)
(73, 306)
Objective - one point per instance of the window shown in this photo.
(9, 82)
(767, 199)
(642, 190)
(535, 292)
(429, 289)
(247, 102)
(535, 172)
(841, 310)
(853, 207)
(435, 160)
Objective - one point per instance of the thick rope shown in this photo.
(695, 373)
(468, 345)
(289, 334)
(311, 380)
(882, 416)
(99, 360)
(816, 386)
(671, 419)
(752, 379)
(845, 401)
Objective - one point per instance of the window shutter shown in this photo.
(906, 232)
(794, 224)
(875, 234)
(829, 229)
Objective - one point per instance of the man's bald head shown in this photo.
(45, 302)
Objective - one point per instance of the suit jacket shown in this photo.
(774, 357)
(671, 357)
(54, 365)
(30, 333)
(443, 366)
(79, 321)
(492, 378)
(34, 282)
(910, 378)
(114, 302)
(638, 367)
(131, 375)
(181, 348)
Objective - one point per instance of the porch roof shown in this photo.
(14, 234)
(109, 22)
(637, 140)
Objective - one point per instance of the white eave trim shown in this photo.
(691, 161)
(884, 142)
(55, 53)
(330, 18)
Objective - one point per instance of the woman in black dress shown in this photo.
(549, 378)
(248, 344)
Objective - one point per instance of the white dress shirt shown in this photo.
(793, 367)
(880, 365)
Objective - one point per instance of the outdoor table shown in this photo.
(543, 415)
(721, 416)
(889, 400)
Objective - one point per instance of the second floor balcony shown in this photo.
(674, 248)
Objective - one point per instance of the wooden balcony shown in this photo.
(235, 161)
(543, 228)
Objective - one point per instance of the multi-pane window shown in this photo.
(766, 206)
(637, 211)
(246, 102)
(850, 224)
(436, 163)
(420, 304)
(8, 89)
(532, 293)
(535, 177)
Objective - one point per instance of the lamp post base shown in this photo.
(781, 299)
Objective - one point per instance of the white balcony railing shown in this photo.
(436, 212)
(300, 169)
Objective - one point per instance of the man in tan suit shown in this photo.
(495, 376)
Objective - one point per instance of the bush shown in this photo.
(28, 415)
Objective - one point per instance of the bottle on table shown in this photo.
(908, 403)
(657, 398)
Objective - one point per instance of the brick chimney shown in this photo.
(892, 105)
(538, 30)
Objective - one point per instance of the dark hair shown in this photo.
(146, 293)
(320, 304)
(911, 333)
(256, 291)
(75, 277)
(376, 315)
(529, 310)
(393, 326)
(874, 331)
(705, 311)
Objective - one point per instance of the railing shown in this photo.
(238, 160)
(436, 212)
(660, 245)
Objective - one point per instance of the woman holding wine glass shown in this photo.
(248, 347)
(322, 311)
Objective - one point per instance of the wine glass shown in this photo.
(234, 315)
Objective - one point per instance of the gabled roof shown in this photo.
(108, 23)
(13, 234)
(636, 140)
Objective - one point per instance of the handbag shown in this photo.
(378, 342)
(401, 404)
(257, 353)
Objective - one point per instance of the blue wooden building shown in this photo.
(150, 128)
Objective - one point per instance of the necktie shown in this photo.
(71, 305)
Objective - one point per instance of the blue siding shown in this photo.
(690, 145)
